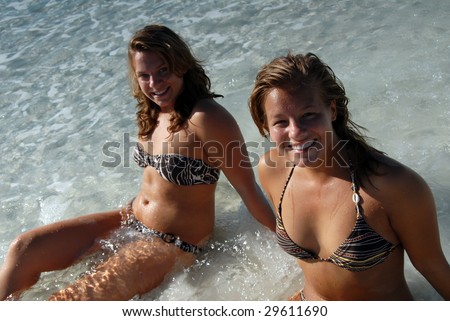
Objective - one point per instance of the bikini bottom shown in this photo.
(129, 220)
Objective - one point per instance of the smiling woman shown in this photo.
(348, 222)
(173, 213)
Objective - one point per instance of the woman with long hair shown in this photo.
(345, 210)
(186, 139)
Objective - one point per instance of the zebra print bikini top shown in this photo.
(363, 249)
(176, 168)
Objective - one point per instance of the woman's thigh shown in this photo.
(57, 245)
(52, 247)
(135, 269)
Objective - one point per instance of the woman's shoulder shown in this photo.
(396, 179)
(210, 119)
(208, 106)
(273, 165)
(394, 170)
(209, 111)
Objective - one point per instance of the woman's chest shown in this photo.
(184, 142)
(322, 220)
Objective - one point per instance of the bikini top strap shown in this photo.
(355, 197)
(284, 189)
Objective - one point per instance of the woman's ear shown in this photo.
(333, 110)
(183, 72)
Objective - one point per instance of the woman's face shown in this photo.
(156, 80)
(300, 124)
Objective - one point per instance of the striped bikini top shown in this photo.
(176, 168)
(364, 248)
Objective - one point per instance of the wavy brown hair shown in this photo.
(293, 72)
(180, 60)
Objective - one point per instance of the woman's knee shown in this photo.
(31, 251)
(16, 274)
(20, 245)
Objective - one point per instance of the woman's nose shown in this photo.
(154, 80)
(296, 131)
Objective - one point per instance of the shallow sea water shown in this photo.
(65, 97)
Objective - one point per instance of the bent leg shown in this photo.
(51, 247)
(137, 268)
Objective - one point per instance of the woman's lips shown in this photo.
(160, 93)
(301, 147)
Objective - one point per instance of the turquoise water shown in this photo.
(65, 95)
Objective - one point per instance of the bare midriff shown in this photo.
(185, 211)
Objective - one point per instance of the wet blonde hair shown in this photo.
(294, 72)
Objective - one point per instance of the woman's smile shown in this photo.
(156, 81)
(298, 122)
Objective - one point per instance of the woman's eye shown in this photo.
(279, 123)
(309, 116)
(164, 71)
